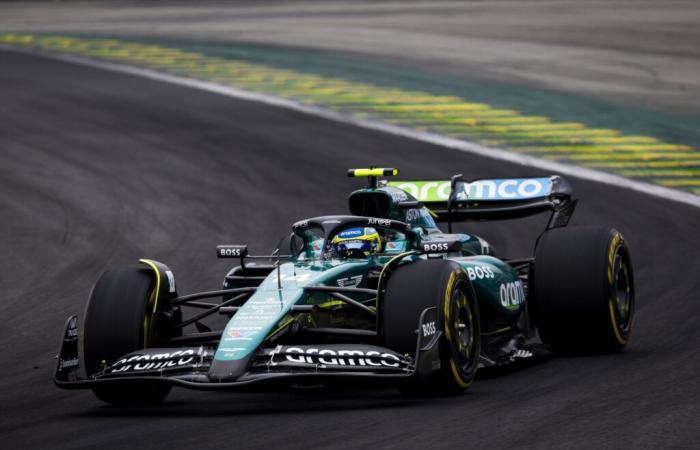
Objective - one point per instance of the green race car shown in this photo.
(381, 296)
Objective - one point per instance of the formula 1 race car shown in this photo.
(381, 295)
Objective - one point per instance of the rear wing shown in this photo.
(494, 199)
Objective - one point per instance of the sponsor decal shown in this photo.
(241, 333)
(351, 232)
(227, 251)
(496, 189)
(231, 349)
(246, 333)
(301, 224)
(480, 272)
(412, 214)
(429, 329)
(378, 221)
(425, 191)
(485, 248)
(437, 247)
(395, 246)
(506, 189)
(353, 281)
(344, 357)
(398, 196)
(153, 361)
(512, 294)
(268, 315)
(521, 353)
(72, 330)
(68, 363)
(260, 302)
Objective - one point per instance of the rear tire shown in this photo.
(442, 284)
(583, 298)
(118, 321)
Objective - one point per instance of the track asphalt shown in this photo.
(98, 169)
(465, 112)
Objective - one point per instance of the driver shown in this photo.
(357, 243)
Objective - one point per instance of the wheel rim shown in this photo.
(462, 330)
(623, 300)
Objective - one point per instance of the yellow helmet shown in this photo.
(357, 242)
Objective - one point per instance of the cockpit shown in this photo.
(351, 242)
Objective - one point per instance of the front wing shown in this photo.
(189, 366)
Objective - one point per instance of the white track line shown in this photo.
(431, 138)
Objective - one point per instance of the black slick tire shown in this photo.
(583, 299)
(116, 323)
(434, 283)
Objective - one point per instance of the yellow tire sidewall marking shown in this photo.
(153, 298)
(446, 308)
(616, 242)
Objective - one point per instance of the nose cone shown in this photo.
(228, 370)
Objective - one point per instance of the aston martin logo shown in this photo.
(350, 281)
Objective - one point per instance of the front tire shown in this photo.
(118, 320)
(583, 290)
(442, 284)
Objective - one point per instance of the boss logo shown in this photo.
(480, 272)
(437, 247)
(231, 251)
(429, 329)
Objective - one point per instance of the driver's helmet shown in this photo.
(357, 242)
